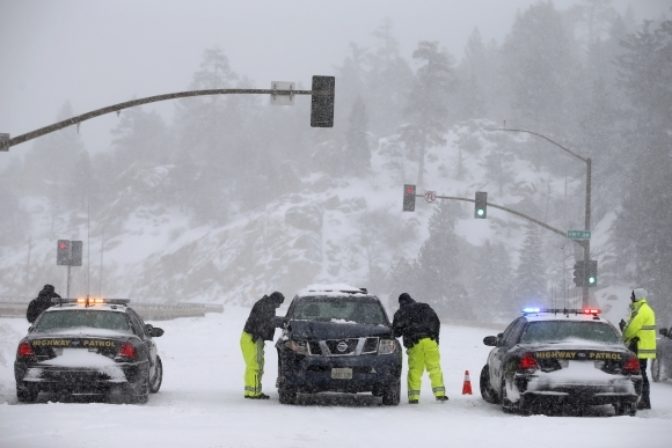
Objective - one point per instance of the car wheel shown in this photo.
(392, 394)
(655, 370)
(26, 393)
(487, 392)
(287, 395)
(155, 382)
(625, 409)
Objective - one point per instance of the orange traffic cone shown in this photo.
(466, 386)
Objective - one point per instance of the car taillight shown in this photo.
(25, 350)
(528, 363)
(127, 351)
(631, 366)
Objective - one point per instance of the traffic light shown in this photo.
(481, 205)
(63, 252)
(409, 198)
(322, 105)
(75, 253)
(579, 273)
(591, 273)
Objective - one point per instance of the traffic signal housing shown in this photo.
(409, 198)
(75, 253)
(481, 205)
(63, 252)
(591, 273)
(322, 102)
(579, 273)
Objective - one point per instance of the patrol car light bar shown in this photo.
(588, 311)
(90, 301)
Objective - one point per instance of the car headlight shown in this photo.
(386, 346)
(300, 347)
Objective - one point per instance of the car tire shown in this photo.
(625, 409)
(487, 392)
(392, 394)
(157, 379)
(26, 393)
(287, 395)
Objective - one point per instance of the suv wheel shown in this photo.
(286, 395)
(392, 394)
(155, 382)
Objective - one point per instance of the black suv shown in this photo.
(338, 339)
(92, 347)
(554, 359)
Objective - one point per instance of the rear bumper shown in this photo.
(620, 389)
(78, 380)
(314, 373)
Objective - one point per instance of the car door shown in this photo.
(499, 355)
(150, 347)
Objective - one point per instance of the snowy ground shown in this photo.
(201, 405)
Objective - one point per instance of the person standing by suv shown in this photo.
(639, 333)
(41, 302)
(419, 326)
(259, 327)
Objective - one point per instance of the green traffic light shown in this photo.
(591, 280)
(480, 212)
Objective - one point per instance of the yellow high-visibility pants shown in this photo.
(253, 354)
(424, 355)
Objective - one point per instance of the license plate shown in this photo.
(341, 373)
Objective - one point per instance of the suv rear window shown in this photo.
(358, 310)
(61, 320)
(559, 331)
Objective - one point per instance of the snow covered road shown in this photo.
(201, 405)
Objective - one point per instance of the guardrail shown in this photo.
(148, 311)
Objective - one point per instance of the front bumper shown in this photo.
(306, 373)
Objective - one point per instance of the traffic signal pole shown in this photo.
(322, 110)
(588, 162)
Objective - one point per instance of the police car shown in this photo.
(89, 346)
(338, 339)
(551, 360)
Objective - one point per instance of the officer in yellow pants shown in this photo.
(259, 327)
(419, 326)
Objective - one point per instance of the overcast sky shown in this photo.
(97, 53)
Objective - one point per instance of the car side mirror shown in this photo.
(153, 331)
(490, 341)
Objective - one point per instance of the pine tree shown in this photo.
(493, 282)
(359, 155)
(439, 267)
(428, 111)
(530, 284)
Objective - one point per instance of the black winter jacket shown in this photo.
(414, 321)
(39, 304)
(261, 323)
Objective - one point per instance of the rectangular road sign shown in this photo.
(581, 235)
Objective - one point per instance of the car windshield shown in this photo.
(67, 319)
(561, 331)
(340, 309)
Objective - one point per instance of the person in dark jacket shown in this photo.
(260, 327)
(419, 326)
(41, 302)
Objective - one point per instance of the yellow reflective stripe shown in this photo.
(648, 327)
(646, 350)
(438, 389)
